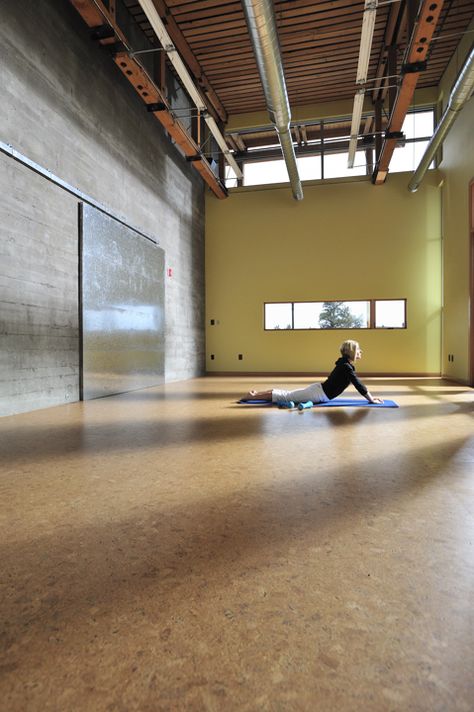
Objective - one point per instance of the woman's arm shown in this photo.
(363, 390)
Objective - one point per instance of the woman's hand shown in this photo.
(371, 398)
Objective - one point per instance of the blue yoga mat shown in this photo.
(336, 402)
(356, 402)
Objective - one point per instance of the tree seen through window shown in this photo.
(337, 315)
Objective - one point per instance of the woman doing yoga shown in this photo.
(337, 381)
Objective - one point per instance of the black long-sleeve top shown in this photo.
(340, 377)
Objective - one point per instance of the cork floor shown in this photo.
(169, 550)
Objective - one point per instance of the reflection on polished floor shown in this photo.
(168, 549)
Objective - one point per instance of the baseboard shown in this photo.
(313, 374)
(459, 381)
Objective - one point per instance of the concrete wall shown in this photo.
(67, 107)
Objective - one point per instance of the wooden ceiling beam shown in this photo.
(188, 56)
(293, 15)
(203, 14)
(239, 141)
(319, 45)
(219, 20)
(396, 23)
(96, 15)
(315, 29)
(223, 62)
(231, 143)
(320, 7)
(415, 55)
(301, 43)
(339, 84)
(158, 106)
(178, 5)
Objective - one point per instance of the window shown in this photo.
(390, 314)
(321, 148)
(279, 316)
(335, 165)
(230, 177)
(407, 158)
(265, 172)
(306, 315)
(367, 314)
(309, 167)
(418, 124)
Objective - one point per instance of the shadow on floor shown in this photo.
(36, 442)
(171, 550)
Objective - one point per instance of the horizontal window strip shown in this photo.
(334, 314)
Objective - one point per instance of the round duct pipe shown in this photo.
(261, 24)
(460, 94)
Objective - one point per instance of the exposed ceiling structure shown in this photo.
(413, 42)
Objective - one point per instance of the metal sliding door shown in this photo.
(122, 307)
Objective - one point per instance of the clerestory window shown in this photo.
(352, 314)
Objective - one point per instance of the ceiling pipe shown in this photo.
(460, 94)
(263, 34)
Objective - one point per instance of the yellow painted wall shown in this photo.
(457, 168)
(345, 240)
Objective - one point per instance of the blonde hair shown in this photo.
(349, 348)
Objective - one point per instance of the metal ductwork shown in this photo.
(263, 33)
(460, 94)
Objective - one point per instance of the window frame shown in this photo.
(323, 148)
(371, 322)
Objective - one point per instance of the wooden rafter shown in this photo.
(415, 57)
(187, 55)
(319, 44)
(156, 104)
(396, 24)
(97, 16)
(238, 140)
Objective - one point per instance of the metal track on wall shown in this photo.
(11, 152)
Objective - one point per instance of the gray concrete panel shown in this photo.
(39, 358)
(67, 107)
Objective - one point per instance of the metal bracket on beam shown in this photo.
(196, 157)
(222, 185)
(414, 67)
(158, 106)
(398, 135)
(102, 32)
